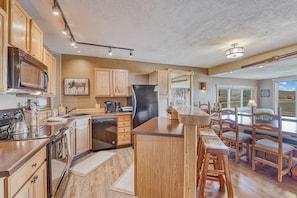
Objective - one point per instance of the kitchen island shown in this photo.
(165, 155)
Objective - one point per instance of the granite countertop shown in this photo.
(160, 126)
(15, 153)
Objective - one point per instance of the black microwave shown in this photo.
(25, 73)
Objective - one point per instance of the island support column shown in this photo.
(190, 160)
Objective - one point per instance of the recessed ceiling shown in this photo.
(187, 33)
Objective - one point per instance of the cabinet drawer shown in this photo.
(124, 118)
(124, 124)
(124, 138)
(18, 179)
(124, 130)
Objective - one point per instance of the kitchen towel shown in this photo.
(125, 183)
(88, 165)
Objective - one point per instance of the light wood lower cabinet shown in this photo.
(82, 135)
(30, 180)
(36, 185)
(124, 130)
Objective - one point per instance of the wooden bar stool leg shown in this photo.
(200, 161)
(227, 176)
(220, 167)
(204, 174)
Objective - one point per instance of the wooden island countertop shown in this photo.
(160, 126)
(165, 154)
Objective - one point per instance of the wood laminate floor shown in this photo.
(245, 181)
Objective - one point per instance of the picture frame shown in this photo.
(265, 93)
(76, 86)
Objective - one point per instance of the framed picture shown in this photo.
(265, 93)
(76, 86)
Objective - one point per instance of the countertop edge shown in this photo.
(17, 164)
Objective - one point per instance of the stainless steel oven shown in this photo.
(59, 159)
(104, 132)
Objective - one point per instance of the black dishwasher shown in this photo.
(104, 133)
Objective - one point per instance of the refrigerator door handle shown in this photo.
(134, 102)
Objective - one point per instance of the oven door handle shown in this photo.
(57, 138)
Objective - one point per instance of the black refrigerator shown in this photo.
(144, 101)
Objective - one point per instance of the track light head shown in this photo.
(55, 9)
(131, 53)
(110, 51)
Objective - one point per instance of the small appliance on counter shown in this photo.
(127, 109)
(117, 106)
(108, 105)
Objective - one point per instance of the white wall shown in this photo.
(266, 102)
(11, 101)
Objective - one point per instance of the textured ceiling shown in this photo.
(176, 32)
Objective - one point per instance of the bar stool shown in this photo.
(217, 152)
(200, 152)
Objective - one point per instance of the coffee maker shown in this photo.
(109, 106)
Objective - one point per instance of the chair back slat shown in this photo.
(266, 125)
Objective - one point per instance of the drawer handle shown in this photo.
(34, 179)
(34, 165)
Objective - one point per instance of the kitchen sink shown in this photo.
(74, 115)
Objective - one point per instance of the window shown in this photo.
(230, 97)
(286, 97)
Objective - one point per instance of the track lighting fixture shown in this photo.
(55, 9)
(67, 31)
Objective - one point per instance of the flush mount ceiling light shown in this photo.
(67, 31)
(234, 52)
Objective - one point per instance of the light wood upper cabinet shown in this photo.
(120, 82)
(50, 61)
(111, 82)
(19, 26)
(103, 82)
(3, 51)
(24, 33)
(161, 78)
(36, 41)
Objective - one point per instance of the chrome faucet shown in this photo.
(69, 110)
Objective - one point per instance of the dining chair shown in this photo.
(238, 142)
(205, 107)
(267, 144)
(215, 118)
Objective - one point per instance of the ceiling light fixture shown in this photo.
(131, 53)
(55, 9)
(234, 52)
(74, 41)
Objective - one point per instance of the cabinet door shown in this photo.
(19, 26)
(36, 186)
(103, 82)
(120, 82)
(3, 51)
(36, 41)
(50, 61)
(82, 139)
(163, 83)
(39, 180)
